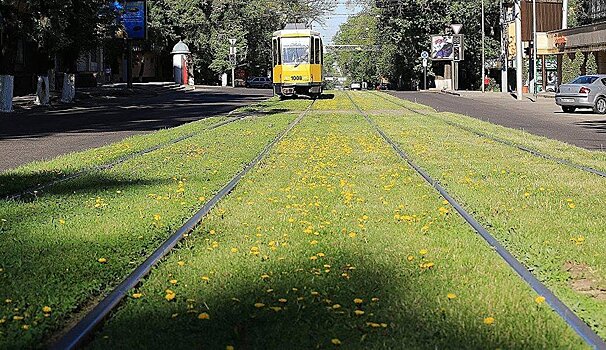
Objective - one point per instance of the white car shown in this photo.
(355, 86)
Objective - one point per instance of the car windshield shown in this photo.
(584, 80)
(295, 50)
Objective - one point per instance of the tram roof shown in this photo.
(285, 33)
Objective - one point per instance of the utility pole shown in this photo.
(483, 58)
(564, 14)
(519, 65)
(534, 49)
(504, 49)
(129, 63)
(232, 61)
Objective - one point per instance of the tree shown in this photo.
(591, 67)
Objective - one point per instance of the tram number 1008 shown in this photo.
(296, 77)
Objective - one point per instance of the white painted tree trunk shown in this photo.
(69, 88)
(42, 91)
(6, 93)
(51, 80)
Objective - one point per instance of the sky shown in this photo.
(333, 20)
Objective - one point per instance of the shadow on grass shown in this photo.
(403, 316)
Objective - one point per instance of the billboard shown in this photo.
(441, 48)
(132, 14)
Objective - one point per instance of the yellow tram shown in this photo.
(297, 58)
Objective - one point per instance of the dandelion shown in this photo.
(410, 258)
(204, 316)
(25, 327)
(276, 308)
(423, 251)
(352, 235)
(358, 301)
(359, 312)
(259, 305)
(335, 341)
(47, 309)
(321, 255)
(137, 295)
(17, 318)
(374, 300)
(571, 205)
(540, 299)
(181, 263)
(205, 278)
(336, 306)
(313, 258)
(173, 281)
(170, 295)
(526, 194)
(102, 260)
(157, 217)
(234, 250)
(314, 242)
(314, 293)
(62, 222)
(264, 276)
(451, 295)
(489, 320)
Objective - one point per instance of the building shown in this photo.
(588, 37)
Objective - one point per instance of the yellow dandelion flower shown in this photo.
(373, 324)
(410, 258)
(282, 300)
(314, 242)
(276, 308)
(540, 299)
(314, 293)
(8, 301)
(181, 263)
(489, 320)
(47, 310)
(102, 260)
(157, 217)
(526, 194)
(25, 327)
(571, 205)
(321, 255)
(259, 305)
(17, 318)
(170, 295)
(264, 276)
(291, 220)
(137, 295)
(423, 252)
(358, 301)
(352, 235)
(313, 257)
(335, 341)
(204, 316)
(62, 222)
(173, 281)
(374, 299)
(234, 250)
(359, 312)
(451, 295)
(336, 306)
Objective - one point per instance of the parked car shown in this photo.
(355, 86)
(258, 82)
(586, 91)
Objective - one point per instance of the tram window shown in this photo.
(295, 50)
(317, 51)
(312, 58)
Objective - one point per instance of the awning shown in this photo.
(590, 37)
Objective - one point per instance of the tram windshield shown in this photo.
(295, 50)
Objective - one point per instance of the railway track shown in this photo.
(36, 190)
(580, 327)
(78, 334)
(502, 141)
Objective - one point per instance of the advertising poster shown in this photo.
(441, 47)
(133, 17)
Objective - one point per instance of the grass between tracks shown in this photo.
(62, 249)
(332, 242)
(550, 216)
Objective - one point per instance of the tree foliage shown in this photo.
(591, 66)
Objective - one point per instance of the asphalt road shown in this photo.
(543, 117)
(42, 134)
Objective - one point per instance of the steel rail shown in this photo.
(580, 327)
(120, 160)
(78, 334)
(503, 141)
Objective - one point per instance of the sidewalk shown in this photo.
(543, 117)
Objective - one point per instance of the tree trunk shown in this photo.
(69, 88)
(52, 80)
(42, 91)
(6, 93)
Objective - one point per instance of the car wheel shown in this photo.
(568, 109)
(600, 106)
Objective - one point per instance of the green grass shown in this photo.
(51, 244)
(548, 215)
(332, 216)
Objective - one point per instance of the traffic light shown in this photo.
(528, 50)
